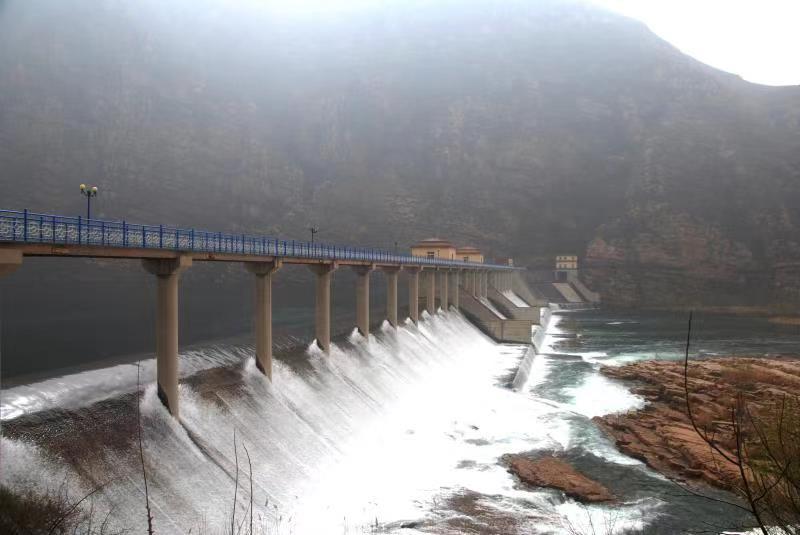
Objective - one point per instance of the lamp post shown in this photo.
(313, 230)
(88, 192)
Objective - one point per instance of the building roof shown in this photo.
(434, 242)
(468, 249)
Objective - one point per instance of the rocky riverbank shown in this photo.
(661, 433)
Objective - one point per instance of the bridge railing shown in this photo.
(30, 227)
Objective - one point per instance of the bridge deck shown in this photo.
(65, 236)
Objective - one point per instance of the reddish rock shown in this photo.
(556, 473)
(661, 434)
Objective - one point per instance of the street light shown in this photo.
(313, 230)
(88, 192)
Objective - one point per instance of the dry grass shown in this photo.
(55, 513)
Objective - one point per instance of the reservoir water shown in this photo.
(401, 433)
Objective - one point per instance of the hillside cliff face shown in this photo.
(525, 128)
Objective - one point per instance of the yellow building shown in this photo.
(469, 254)
(434, 248)
(566, 262)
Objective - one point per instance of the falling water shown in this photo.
(395, 431)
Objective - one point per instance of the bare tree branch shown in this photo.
(141, 451)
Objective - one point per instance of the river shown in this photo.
(404, 432)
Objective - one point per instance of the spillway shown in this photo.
(402, 432)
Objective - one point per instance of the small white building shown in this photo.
(566, 268)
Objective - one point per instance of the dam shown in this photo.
(399, 428)
(406, 431)
(166, 252)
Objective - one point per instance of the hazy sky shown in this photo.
(756, 39)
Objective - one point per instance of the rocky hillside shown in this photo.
(525, 128)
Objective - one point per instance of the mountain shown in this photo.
(526, 128)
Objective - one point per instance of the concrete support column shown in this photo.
(444, 290)
(455, 276)
(484, 284)
(322, 311)
(263, 313)
(10, 261)
(168, 272)
(362, 298)
(430, 291)
(391, 294)
(413, 294)
(473, 283)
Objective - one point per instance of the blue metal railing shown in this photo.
(30, 227)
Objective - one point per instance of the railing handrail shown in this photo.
(59, 229)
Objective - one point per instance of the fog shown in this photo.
(527, 129)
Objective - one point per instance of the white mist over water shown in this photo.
(385, 429)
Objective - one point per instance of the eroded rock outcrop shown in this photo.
(552, 472)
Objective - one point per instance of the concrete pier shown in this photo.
(455, 276)
(504, 281)
(444, 290)
(10, 261)
(391, 294)
(430, 291)
(166, 252)
(322, 311)
(413, 294)
(263, 313)
(168, 273)
(362, 298)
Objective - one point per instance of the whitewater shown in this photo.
(402, 432)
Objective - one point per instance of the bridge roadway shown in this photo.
(168, 251)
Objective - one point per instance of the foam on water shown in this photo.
(382, 428)
(598, 395)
